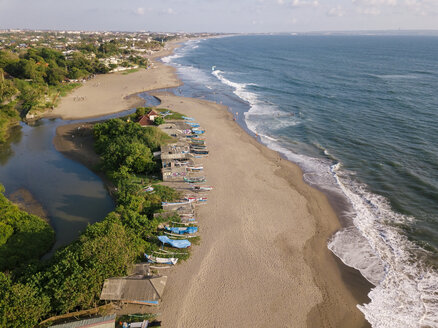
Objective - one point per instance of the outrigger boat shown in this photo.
(195, 168)
(177, 243)
(196, 199)
(197, 146)
(202, 188)
(185, 223)
(161, 260)
(198, 131)
(194, 179)
(200, 152)
(195, 125)
(175, 203)
(182, 230)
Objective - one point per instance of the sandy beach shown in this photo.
(263, 257)
(115, 92)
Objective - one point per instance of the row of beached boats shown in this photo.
(176, 234)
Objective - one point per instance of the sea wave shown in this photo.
(404, 292)
(374, 242)
(261, 114)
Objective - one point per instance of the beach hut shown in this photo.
(143, 291)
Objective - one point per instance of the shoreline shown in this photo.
(328, 299)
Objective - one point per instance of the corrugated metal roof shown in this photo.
(132, 289)
(87, 322)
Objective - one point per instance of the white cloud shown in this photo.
(304, 3)
(376, 2)
(337, 11)
(377, 7)
(140, 11)
(168, 11)
(374, 11)
(300, 3)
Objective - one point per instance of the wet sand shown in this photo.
(263, 258)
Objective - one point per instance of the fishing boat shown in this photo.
(174, 203)
(188, 118)
(198, 131)
(194, 179)
(161, 260)
(198, 146)
(202, 188)
(195, 168)
(177, 243)
(196, 199)
(200, 152)
(182, 230)
(198, 141)
(195, 125)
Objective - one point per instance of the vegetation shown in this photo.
(173, 115)
(73, 278)
(23, 237)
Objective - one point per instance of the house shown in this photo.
(152, 115)
(145, 121)
(148, 119)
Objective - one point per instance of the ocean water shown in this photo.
(359, 114)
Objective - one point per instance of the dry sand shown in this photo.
(263, 258)
(115, 92)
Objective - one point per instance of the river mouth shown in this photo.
(66, 193)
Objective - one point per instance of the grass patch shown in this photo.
(129, 71)
(173, 116)
(65, 89)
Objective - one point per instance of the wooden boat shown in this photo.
(200, 152)
(161, 260)
(195, 168)
(194, 179)
(202, 188)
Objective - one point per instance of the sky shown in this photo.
(241, 16)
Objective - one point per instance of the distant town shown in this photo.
(38, 67)
(118, 50)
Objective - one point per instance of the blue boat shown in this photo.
(182, 230)
(182, 243)
(198, 131)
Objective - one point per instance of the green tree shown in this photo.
(21, 305)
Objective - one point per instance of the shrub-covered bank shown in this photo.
(72, 279)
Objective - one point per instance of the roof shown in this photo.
(145, 120)
(88, 322)
(128, 289)
(152, 112)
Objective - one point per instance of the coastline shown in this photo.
(244, 260)
(116, 92)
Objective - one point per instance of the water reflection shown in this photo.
(72, 195)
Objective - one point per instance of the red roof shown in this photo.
(144, 121)
(152, 112)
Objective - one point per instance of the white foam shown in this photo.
(406, 290)
(405, 293)
(261, 112)
(395, 76)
